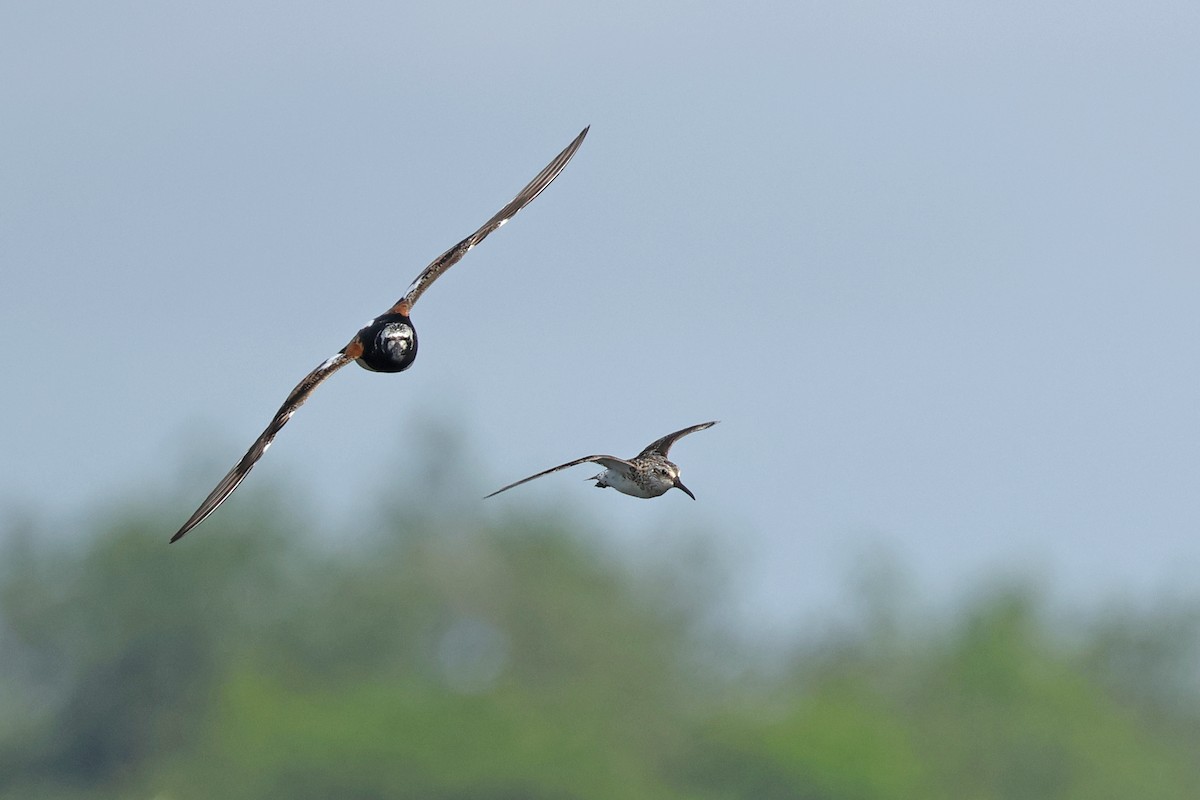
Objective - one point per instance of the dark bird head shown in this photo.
(389, 343)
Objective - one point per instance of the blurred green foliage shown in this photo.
(466, 659)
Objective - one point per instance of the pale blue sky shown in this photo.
(934, 265)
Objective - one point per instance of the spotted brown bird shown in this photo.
(648, 474)
(387, 343)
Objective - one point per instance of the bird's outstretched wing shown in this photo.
(455, 253)
(661, 446)
(611, 462)
(243, 467)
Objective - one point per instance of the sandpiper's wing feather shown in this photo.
(243, 467)
(661, 446)
(611, 462)
(455, 253)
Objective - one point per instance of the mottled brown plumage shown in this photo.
(648, 474)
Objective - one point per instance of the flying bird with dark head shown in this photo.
(387, 343)
(648, 474)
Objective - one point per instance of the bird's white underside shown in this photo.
(623, 484)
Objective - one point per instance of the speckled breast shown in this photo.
(389, 344)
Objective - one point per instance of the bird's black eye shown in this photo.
(389, 344)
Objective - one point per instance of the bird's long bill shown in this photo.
(687, 491)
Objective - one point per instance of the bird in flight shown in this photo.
(387, 343)
(648, 474)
